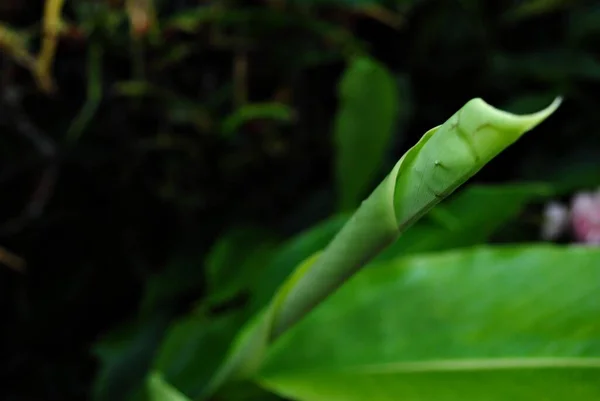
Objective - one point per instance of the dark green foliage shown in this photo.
(174, 180)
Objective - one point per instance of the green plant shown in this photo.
(384, 322)
(185, 146)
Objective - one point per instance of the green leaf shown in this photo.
(93, 95)
(160, 390)
(363, 127)
(469, 218)
(514, 323)
(444, 158)
(533, 8)
(236, 260)
(257, 111)
(164, 289)
(193, 348)
(290, 255)
(126, 355)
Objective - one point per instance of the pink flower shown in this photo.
(585, 217)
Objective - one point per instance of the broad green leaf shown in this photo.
(126, 356)
(193, 348)
(236, 260)
(160, 390)
(444, 158)
(127, 353)
(469, 218)
(363, 127)
(165, 288)
(513, 323)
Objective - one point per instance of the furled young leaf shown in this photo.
(469, 218)
(514, 323)
(440, 162)
(363, 127)
(290, 255)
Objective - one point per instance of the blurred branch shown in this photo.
(240, 78)
(11, 260)
(141, 16)
(382, 15)
(533, 8)
(14, 44)
(94, 93)
(12, 100)
(193, 19)
(51, 30)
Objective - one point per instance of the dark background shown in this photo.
(150, 178)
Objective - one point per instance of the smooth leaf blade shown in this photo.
(363, 127)
(193, 348)
(160, 390)
(235, 260)
(519, 383)
(126, 356)
(488, 323)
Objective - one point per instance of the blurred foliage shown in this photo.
(165, 164)
(368, 104)
(466, 324)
